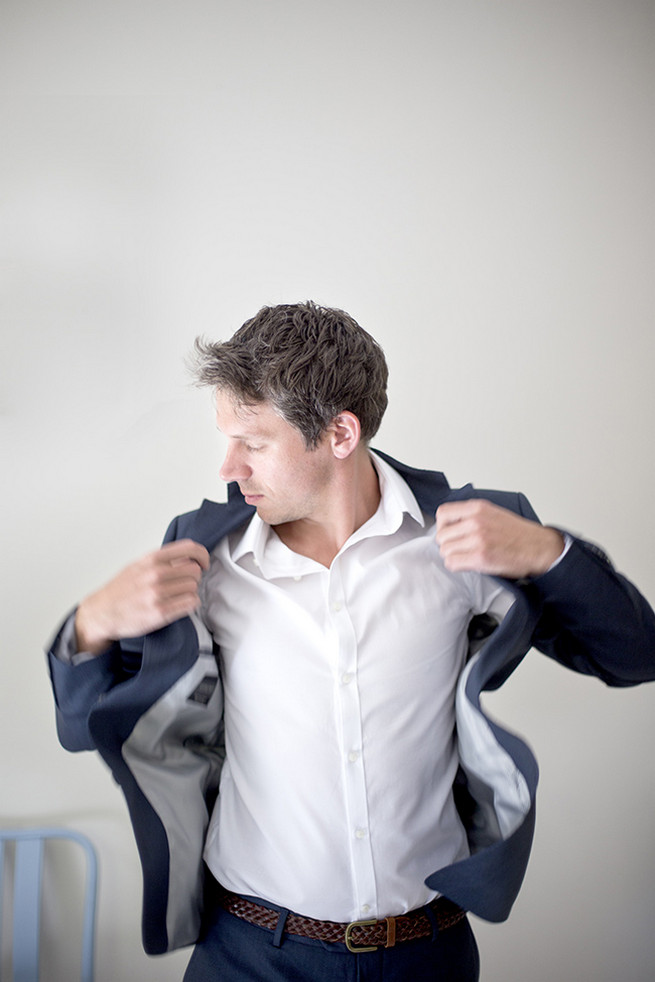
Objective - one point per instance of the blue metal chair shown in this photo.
(29, 847)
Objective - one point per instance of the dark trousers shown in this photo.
(232, 950)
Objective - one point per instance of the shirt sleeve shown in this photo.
(488, 596)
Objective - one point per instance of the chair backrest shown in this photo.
(28, 853)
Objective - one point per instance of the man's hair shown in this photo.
(310, 362)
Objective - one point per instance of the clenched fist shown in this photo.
(148, 594)
(476, 535)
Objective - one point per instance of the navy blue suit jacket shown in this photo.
(152, 707)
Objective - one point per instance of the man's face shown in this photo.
(268, 458)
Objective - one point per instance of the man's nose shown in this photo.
(234, 467)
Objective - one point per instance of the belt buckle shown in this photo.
(349, 930)
(389, 942)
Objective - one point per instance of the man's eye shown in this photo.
(252, 449)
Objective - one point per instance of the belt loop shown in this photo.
(432, 917)
(279, 928)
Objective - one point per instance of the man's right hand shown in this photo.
(148, 594)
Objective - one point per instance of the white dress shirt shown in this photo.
(336, 794)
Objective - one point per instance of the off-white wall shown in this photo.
(473, 182)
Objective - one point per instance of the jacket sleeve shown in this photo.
(593, 619)
(78, 688)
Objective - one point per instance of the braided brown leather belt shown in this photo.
(358, 935)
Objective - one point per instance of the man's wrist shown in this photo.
(554, 545)
(565, 542)
(88, 636)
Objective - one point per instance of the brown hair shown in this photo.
(310, 362)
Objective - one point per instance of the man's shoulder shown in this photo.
(431, 489)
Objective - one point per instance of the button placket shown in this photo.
(349, 722)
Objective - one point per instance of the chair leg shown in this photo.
(27, 910)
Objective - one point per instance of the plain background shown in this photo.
(473, 181)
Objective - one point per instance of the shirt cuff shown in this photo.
(65, 648)
(568, 540)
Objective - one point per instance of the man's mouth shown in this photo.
(251, 497)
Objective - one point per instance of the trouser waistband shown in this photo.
(365, 935)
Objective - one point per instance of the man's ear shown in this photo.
(345, 433)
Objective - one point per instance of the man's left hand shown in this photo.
(478, 536)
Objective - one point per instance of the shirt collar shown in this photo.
(396, 497)
(275, 559)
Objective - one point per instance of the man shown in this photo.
(288, 690)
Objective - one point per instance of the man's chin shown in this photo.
(264, 510)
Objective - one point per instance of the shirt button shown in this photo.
(346, 678)
(365, 908)
(353, 756)
(336, 606)
(297, 579)
(360, 833)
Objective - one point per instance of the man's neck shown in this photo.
(355, 499)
